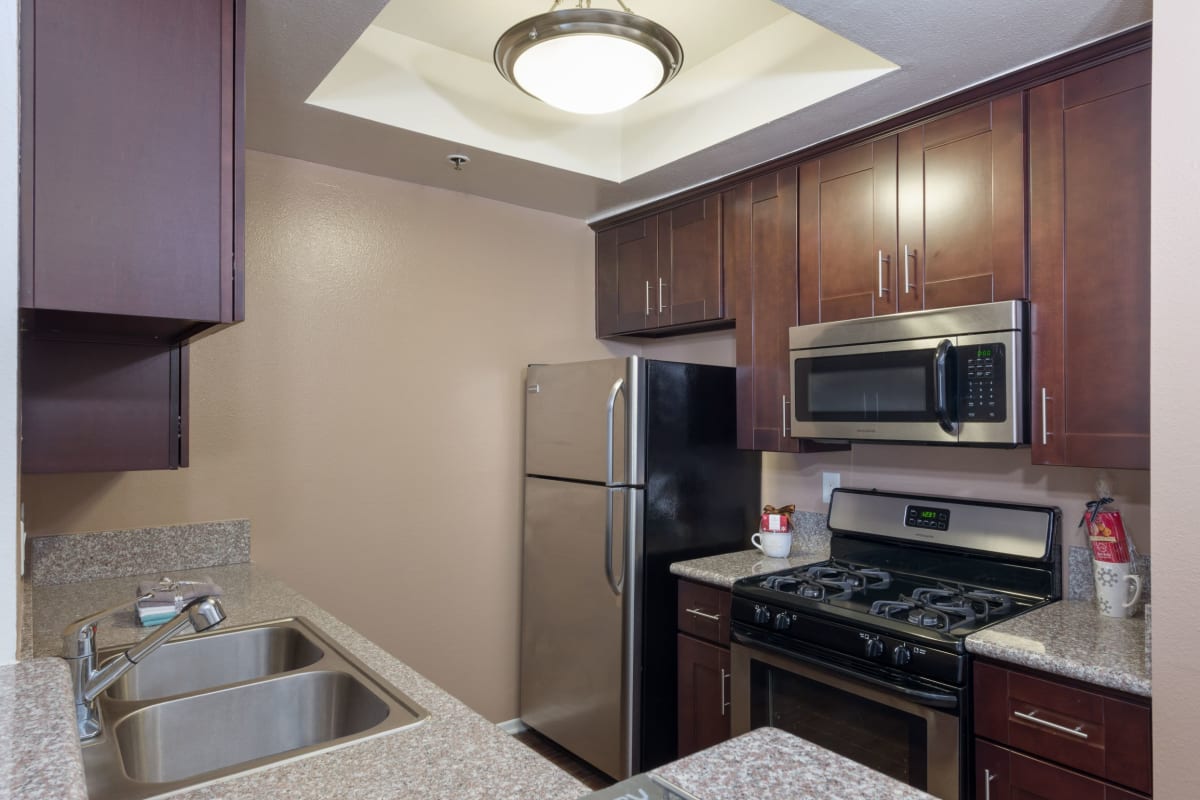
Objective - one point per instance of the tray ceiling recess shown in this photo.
(427, 68)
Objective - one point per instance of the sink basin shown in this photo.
(223, 703)
(171, 741)
(217, 659)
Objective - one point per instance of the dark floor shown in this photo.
(581, 771)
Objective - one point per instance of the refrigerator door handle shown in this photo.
(617, 388)
(613, 582)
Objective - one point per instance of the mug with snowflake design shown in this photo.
(1118, 588)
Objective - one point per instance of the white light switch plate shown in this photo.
(829, 482)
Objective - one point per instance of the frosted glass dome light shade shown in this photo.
(588, 61)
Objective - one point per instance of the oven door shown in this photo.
(913, 733)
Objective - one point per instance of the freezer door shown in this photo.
(573, 663)
(567, 420)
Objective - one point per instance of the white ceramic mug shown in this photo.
(773, 545)
(1118, 588)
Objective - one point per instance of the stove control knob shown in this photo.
(762, 615)
(901, 655)
(783, 621)
(874, 648)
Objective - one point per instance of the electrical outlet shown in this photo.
(829, 482)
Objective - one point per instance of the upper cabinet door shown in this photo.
(1089, 166)
(847, 208)
(760, 245)
(689, 277)
(627, 297)
(131, 158)
(961, 208)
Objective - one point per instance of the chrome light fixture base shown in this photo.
(552, 25)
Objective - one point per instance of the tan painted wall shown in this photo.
(367, 415)
(1175, 457)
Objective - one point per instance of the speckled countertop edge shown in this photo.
(1072, 639)
(456, 753)
(770, 764)
(39, 754)
(724, 570)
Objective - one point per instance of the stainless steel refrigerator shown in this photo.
(630, 464)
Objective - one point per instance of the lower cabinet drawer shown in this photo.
(1003, 774)
(703, 695)
(703, 611)
(1062, 722)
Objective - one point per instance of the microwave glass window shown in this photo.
(870, 387)
(883, 738)
(869, 392)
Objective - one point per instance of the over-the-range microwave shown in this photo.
(945, 376)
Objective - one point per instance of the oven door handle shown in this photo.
(931, 699)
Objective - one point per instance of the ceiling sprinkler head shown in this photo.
(458, 159)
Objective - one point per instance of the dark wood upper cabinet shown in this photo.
(847, 211)
(132, 165)
(961, 207)
(931, 217)
(760, 250)
(131, 221)
(662, 274)
(1089, 167)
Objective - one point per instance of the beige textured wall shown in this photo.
(1175, 458)
(367, 417)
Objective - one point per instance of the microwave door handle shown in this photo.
(941, 389)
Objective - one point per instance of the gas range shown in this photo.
(909, 578)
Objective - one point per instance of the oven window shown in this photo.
(884, 387)
(883, 738)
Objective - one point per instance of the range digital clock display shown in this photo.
(928, 517)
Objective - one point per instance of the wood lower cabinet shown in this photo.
(1039, 735)
(1089, 165)
(703, 695)
(662, 274)
(702, 652)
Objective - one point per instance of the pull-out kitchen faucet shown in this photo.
(79, 650)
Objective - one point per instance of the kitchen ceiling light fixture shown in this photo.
(588, 61)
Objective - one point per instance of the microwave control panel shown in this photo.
(981, 384)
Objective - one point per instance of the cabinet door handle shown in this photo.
(988, 777)
(647, 298)
(881, 260)
(661, 286)
(1045, 432)
(1031, 716)
(724, 702)
(698, 613)
(907, 254)
(783, 416)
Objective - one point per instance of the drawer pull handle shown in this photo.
(698, 613)
(1031, 716)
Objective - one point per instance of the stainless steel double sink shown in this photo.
(216, 704)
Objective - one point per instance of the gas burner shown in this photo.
(829, 581)
(941, 616)
(973, 603)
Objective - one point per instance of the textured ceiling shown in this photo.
(941, 46)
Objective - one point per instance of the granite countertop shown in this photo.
(724, 569)
(770, 764)
(1071, 638)
(454, 754)
(40, 758)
